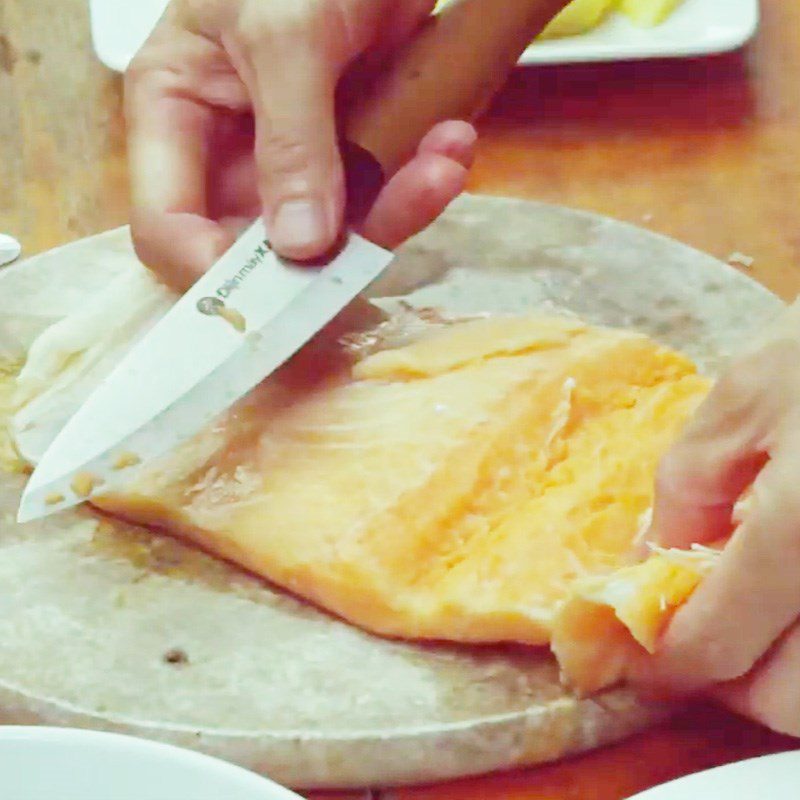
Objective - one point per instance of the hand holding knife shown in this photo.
(252, 310)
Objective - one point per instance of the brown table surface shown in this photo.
(706, 150)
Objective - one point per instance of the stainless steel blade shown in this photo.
(242, 320)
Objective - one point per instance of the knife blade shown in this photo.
(252, 311)
(243, 319)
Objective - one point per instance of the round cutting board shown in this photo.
(110, 627)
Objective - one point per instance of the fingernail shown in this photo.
(300, 226)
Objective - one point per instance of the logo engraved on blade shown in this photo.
(214, 307)
(232, 284)
(211, 306)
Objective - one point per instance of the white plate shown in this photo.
(9, 249)
(769, 778)
(698, 27)
(67, 764)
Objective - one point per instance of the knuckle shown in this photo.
(671, 468)
(132, 83)
(736, 389)
(137, 82)
(683, 468)
(282, 155)
(775, 495)
(144, 82)
(667, 475)
(154, 65)
(432, 182)
(427, 195)
(146, 60)
(720, 660)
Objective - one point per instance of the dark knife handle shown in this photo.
(450, 69)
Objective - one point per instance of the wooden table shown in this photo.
(707, 151)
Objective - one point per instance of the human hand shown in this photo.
(230, 111)
(739, 634)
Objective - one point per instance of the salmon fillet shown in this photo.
(453, 488)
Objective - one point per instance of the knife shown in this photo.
(252, 310)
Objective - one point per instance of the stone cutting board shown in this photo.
(109, 627)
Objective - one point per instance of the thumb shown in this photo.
(294, 58)
(292, 81)
(704, 474)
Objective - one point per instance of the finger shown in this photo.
(714, 461)
(414, 198)
(292, 72)
(178, 247)
(454, 139)
(751, 596)
(771, 694)
(424, 188)
(235, 226)
(234, 191)
(231, 177)
(167, 151)
(167, 166)
(166, 127)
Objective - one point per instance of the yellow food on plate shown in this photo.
(578, 17)
(582, 16)
(648, 13)
(453, 488)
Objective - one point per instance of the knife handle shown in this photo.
(450, 69)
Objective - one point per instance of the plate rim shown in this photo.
(151, 751)
(663, 791)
